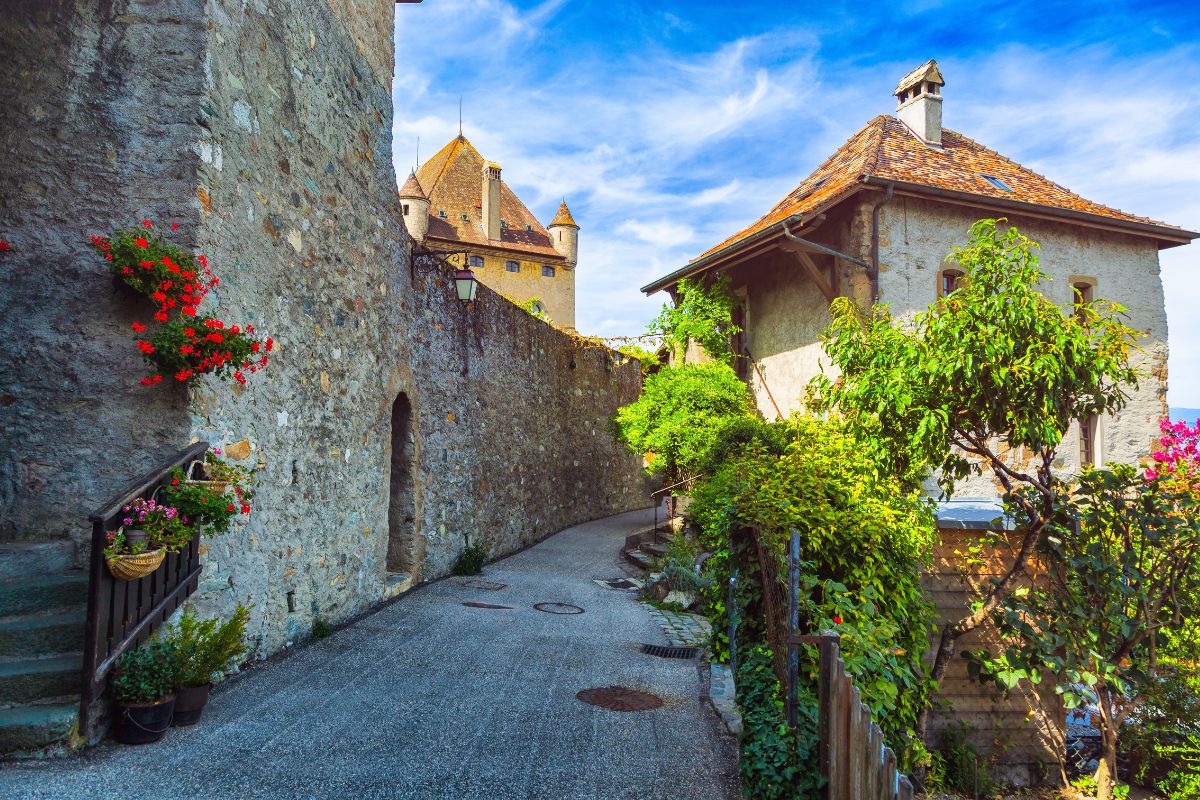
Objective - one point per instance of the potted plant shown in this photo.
(149, 530)
(144, 688)
(210, 492)
(205, 648)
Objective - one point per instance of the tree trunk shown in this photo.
(1106, 773)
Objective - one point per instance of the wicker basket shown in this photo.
(132, 567)
(217, 486)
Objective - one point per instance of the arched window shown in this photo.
(512, 266)
(949, 280)
(537, 307)
(475, 262)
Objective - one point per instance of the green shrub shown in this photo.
(864, 537)
(702, 313)
(206, 647)
(776, 763)
(146, 674)
(471, 560)
(321, 629)
(679, 564)
(964, 771)
(678, 415)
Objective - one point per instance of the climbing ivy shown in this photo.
(702, 313)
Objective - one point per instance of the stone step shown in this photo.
(26, 559)
(32, 679)
(26, 595)
(33, 727)
(654, 549)
(35, 635)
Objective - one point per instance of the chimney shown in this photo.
(919, 101)
(491, 200)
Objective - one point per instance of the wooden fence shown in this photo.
(854, 760)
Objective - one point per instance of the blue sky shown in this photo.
(670, 125)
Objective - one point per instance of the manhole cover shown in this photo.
(558, 608)
(491, 586)
(663, 651)
(620, 583)
(619, 698)
(476, 604)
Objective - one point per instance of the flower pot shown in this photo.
(134, 536)
(143, 723)
(189, 704)
(131, 567)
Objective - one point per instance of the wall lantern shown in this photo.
(467, 285)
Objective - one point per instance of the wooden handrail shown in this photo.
(123, 614)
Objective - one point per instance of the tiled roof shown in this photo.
(453, 179)
(563, 217)
(886, 150)
(411, 190)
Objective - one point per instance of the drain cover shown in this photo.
(619, 698)
(558, 608)
(476, 604)
(663, 651)
(491, 586)
(620, 583)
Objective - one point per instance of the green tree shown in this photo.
(680, 410)
(990, 377)
(1118, 553)
(703, 313)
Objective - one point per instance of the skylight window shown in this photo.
(819, 184)
(994, 181)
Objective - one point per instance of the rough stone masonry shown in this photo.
(395, 425)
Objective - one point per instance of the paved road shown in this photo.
(432, 699)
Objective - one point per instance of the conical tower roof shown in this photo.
(411, 190)
(563, 217)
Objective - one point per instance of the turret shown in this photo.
(414, 207)
(564, 234)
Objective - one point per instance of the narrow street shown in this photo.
(430, 698)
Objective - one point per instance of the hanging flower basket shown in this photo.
(128, 567)
(196, 476)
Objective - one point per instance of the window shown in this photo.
(503, 224)
(547, 271)
(512, 266)
(475, 262)
(819, 184)
(404, 209)
(528, 227)
(1087, 441)
(537, 307)
(949, 280)
(465, 218)
(1082, 293)
(442, 214)
(994, 181)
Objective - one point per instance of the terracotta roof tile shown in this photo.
(411, 190)
(453, 178)
(887, 150)
(563, 217)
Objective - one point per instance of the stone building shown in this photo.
(875, 222)
(457, 203)
(395, 423)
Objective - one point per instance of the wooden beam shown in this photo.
(814, 272)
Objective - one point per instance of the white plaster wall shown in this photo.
(916, 236)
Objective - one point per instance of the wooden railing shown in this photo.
(854, 760)
(123, 614)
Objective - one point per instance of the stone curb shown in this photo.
(722, 693)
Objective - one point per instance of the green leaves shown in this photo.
(146, 674)
(204, 648)
(702, 313)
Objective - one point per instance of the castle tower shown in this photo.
(414, 206)
(564, 234)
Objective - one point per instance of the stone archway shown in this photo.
(401, 551)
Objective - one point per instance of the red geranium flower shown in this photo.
(161, 316)
(245, 509)
(138, 327)
(5, 246)
(142, 243)
(837, 619)
(148, 223)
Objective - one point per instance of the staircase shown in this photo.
(43, 605)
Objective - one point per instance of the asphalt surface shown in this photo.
(428, 698)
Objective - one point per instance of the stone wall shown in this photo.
(264, 128)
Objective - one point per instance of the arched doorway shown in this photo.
(401, 503)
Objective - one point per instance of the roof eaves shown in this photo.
(1163, 233)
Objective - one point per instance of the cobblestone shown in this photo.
(683, 628)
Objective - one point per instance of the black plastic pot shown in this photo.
(189, 704)
(143, 723)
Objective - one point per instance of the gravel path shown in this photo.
(429, 698)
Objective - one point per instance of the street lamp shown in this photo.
(466, 284)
